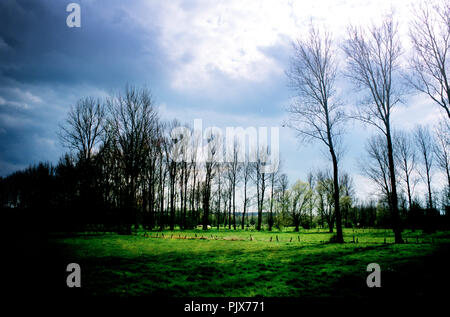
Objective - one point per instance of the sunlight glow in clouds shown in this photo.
(207, 40)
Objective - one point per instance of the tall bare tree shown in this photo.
(430, 36)
(246, 173)
(84, 127)
(185, 168)
(377, 165)
(373, 56)
(300, 195)
(405, 156)
(282, 188)
(214, 145)
(84, 132)
(195, 166)
(219, 191)
(172, 152)
(347, 194)
(424, 142)
(442, 149)
(273, 180)
(150, 177)
(260, 177)
(162, 174)
(133, 122)
(317, 114)
(233, 169)
(311, 181)
(325, 200)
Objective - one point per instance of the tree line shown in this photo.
(126, 169)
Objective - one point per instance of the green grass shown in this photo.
(228, 263)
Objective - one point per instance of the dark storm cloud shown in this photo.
(45, 66)
(42, 49)
(24, 136)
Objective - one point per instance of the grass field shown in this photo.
(249, 263)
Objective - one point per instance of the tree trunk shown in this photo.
(330, 226)
(172, 195)
(234, 204)
(218, 205)
(270, 221)
(161, 194)
(186, 178)
(182, 219)
(145, 212)
(394, 199)
(193, 215)
(261, 204)
(296, 222)
(152, 198)
(430, 200)
(229, 210)
(245, 204)
(206, 200)
(408, 189)
(337, 208)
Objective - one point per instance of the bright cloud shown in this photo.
(207, 39)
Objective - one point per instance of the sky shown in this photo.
(220, 61)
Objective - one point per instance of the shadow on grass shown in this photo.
(316, 270)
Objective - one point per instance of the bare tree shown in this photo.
(195, 166)
(442, 148)
(312, 183)
(229, 195)
(83, 132)
(283, 217)
(150, 177)
(227, 198)
(424, 142)
(185, 169)
(219, 191)
(373, 63)
(260, 177)
(172, 152)
(214, 143)
(377, 165)
(84, 127)
(325, 200)
(233, 169)
(300, 195)
(246, 173)
(273, 179)
(317, 114)
(405, 157)
(162, 174)
(347, 193)
(133, 121)
(430, 36)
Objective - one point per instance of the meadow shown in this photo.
(242, 263)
